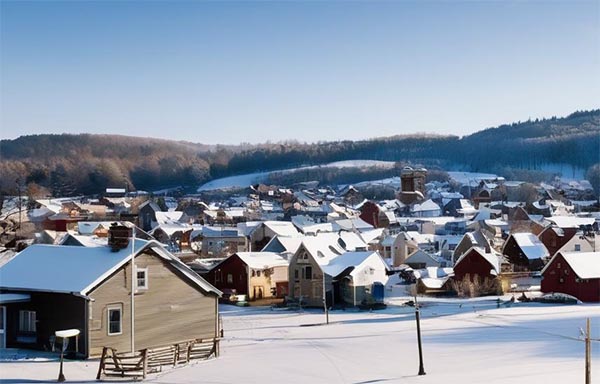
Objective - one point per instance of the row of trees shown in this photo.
(87, 164)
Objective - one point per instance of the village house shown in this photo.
(48, 288)
(525, 252)
(356, 278)
(147, 215)
(258, 275)
(574, 273)
(221, 241)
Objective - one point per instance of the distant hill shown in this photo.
(72, 164)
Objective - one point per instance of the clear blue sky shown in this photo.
(231, 72)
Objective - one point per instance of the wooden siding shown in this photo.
(239, 275)
(170, 310)
(560, 277)
(473, 264)
(311, 288)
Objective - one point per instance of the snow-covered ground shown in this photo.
(242, 181)
(464, 341)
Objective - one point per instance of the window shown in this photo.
(258, 273)
(229, 278)
(141, 278)
(27, 321)
(577, 247)
(114, 320)
(308, 273)
(295, 273)
(253, 273)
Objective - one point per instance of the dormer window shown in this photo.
(141, 278)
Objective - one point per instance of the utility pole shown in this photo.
(418, 318)
(588, 353)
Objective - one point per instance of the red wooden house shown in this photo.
(255, 274)
(476, 262)
(574, 273)
(554, 238)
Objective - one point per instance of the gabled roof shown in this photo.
(493, 258)
(172, 217)
(152, 205)
(428, 205)
(349, 259)
(262, 260)
(323, 247)
(282, 228)
(570, 221)
(85, 241)
(420, 256)
(78, 270)
(88, 227)
(532, 247)
(586, 265)
(283, 244)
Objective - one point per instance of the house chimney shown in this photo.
(118, 237)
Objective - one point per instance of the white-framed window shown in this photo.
(27, 321)
(114, 320)
(141, 278)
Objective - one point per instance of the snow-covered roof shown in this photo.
(88, 227)
(586, 265)
(571, 221)
(428, 205)
(323, 247)
(531, 246)
(77, 270)
(220, 232)
(347, 260)
(86, 241)
(282, 228)
(283, 244)
(420, 256)
(168, 217)
(262, 260)
(372, 235)
(352, 241)
(174, 227)
(493, 258)
(434, 277)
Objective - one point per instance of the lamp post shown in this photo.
(325, 300)
(418, 318)
(64, 335)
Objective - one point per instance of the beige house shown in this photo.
(89, 288)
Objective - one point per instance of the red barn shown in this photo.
(476, 262)
(574, 273)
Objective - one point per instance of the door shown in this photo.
(2, 327)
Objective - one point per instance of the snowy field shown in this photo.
(242, 181)
(469, 341)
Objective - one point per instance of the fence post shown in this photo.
(101, 366)
(145, 362)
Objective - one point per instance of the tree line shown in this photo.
(63, 165)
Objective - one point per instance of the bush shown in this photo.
(476, 286)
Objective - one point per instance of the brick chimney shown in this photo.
(118, 237)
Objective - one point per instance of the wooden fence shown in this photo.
(139, 364)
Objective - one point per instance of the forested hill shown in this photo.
(70, 164)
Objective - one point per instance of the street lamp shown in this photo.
(64, 335)
(418, 318)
